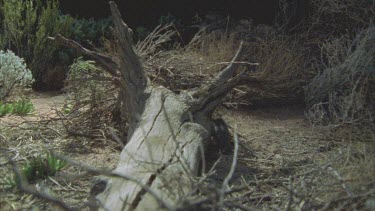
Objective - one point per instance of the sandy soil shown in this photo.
(273, 143)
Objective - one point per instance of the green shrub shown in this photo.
(90, 30)
(27, 25)
(13, 72)
(82, 83)
(19, 20)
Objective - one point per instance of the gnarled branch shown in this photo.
(105, 62)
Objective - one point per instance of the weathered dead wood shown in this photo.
(105, 62)
(167, 131)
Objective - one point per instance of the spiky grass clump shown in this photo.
(39, 167)
(21, 107)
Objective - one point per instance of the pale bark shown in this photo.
(167, 131)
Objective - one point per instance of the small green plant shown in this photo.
(5, 109)
(39, 167)
(67, 109)
(54, 164)
(22, 107)
(11, 180)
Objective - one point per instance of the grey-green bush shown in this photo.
(26, 26)
(13, 72)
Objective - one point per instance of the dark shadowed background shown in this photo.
(148, 12)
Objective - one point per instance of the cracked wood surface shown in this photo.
(167, 132)
(164, 152)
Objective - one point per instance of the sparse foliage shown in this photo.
(91, 98)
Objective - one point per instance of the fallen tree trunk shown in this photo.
(167, 132)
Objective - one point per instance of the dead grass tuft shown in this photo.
(343, 94)
(187, 67)
(282, 70)
(281, 73)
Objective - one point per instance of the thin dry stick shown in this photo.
(290, 201)
(179, 149)
(3, 151)
(230, 174)
(338, 200)
(222, 63)
(201, 145)
(341, 180)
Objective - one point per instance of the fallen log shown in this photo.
(167, 132)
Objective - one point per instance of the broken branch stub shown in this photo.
(166, 133)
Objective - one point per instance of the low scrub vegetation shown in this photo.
(343, 93)
(91, 101)
(324, 63)
(25, 28)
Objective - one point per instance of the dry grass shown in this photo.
(187, 67)
(333, 18)
(35, 135)
(282, 71)
(343, 94)
(282, 164)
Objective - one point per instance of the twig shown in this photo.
(238, 205)
(233, 62)
(341, 180)
(113, 134)
(338, 200)
(290, 201)
(3, 151)
(224, 187)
